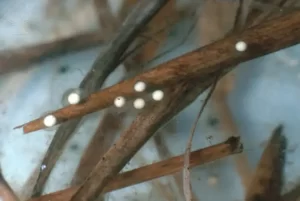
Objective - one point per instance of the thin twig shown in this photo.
(262, 39)
(164, 152)
(158, 169)
(102, 67)
(187, 189)
(15, 59)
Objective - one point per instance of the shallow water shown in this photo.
(265, 95)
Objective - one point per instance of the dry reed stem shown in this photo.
(141, 129)
(165, 190)
(268, 177)
(204, 62)
(111, 123)
(164, 152)
(167, 14)
(103, 138)
(187, 188)
(220, 16)
(156, 170)
(15, 59)
(102, 67)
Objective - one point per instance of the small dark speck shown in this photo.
(74, 147)
(212, 121)
(63, 69)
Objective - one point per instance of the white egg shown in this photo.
(139, 103)
(50, 121)
(140, 86)
(119, 101)
(158, 95)
(241, 46)
(74, 98)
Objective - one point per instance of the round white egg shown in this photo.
(241, 46)
(158, 95)
(140, 86)
(139, 103)
(119, 101)
(74, 98)
(50, 121)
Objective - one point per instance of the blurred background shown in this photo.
(251, 102)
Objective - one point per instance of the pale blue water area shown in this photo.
(267, 93)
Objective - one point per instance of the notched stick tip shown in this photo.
(278, 138)
(18, 127)
(278, 130)
(23, 127)
(235, 144)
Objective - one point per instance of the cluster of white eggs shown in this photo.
(75, 97)
(139, 103)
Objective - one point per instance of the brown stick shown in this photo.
(102, 67)
(111, 122)
(11, 60)
(142, 128)
(267, 182)
(144, 56)
(164, 152)
(106, 19)
(156, 170)
(225, 84)
(100, 143)
(262, 39)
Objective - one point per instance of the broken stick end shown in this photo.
(235, 143)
